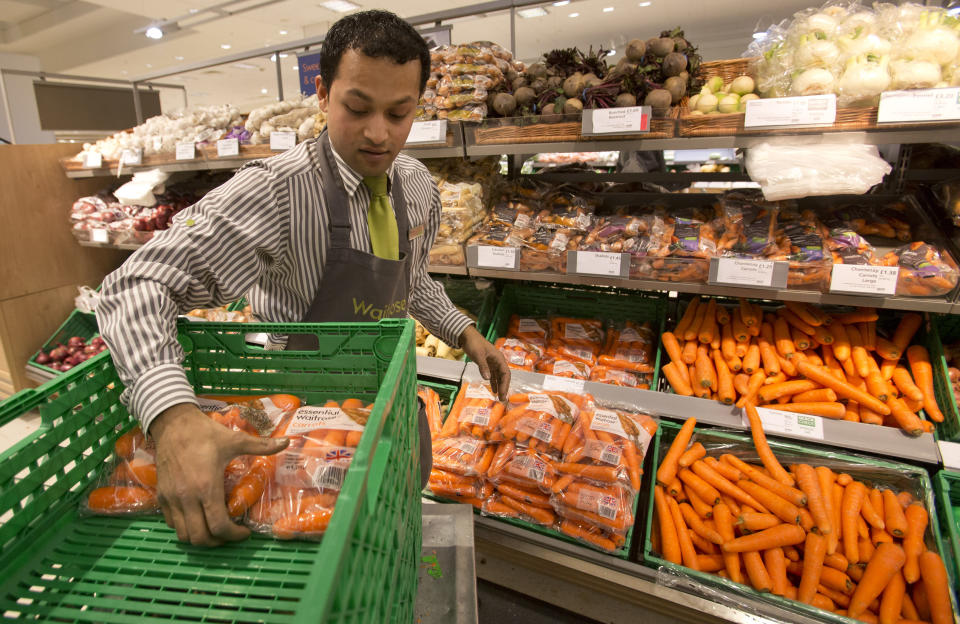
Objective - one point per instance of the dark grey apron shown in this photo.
(357, 286)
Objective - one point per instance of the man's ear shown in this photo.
(323, 95)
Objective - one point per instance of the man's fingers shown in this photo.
(179, 525)
(167, 516)
(221, 527)
(249, 445)
(484, 368)
(196, 524)
(503, 374)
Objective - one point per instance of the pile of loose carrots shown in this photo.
(555, 459)
(803, 359)
(807, 533)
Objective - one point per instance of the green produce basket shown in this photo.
(584, 302)
(902, 477)
(947, 484)
(77, 324)
(56, 566)
(944, 329)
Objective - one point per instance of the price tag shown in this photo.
(100, 236)
(864, 279)
(809, 110)
(186, 151)
(600, 263)
(788, 423)
(490, 257)
(157, 143)
(553, 383)
(748, 272)
(628, 120)
(228, 147)
(92, 160)
(919, 105)
(283, 141)
(132, 156)
(427, 132)
(950, 454)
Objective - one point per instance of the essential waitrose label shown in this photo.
(788, 423)
(283, 141)
(427, 132)
(864, 279)
(602, 263)
(628, 120)
(491, 257)
(228, 147)
(919, 105)
(607, 421)
(809, 110)
(542, 403)
(186, 151)
(748, 272)
(309, 418)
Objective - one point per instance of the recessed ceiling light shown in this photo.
(178, 58)
(263, 91)
(340, 6)
(283, 32)
(574, 15)
(534, 12)
(608, 9)
(645, 4)
(154, 32)
(225, 46)
(561, 3)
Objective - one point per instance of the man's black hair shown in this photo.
(376, 34)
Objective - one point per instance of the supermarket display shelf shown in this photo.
(449, 270)
(439, 368)
(874, 439)
(602, 587)
(894, 303)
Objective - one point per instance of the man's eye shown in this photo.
(398, 115)
(355, 111)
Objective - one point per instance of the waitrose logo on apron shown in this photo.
(391, 310)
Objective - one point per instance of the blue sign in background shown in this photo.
(309, 70)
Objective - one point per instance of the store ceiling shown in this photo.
(97, 38)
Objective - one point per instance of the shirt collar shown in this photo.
(351, 179)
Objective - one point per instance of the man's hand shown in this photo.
(492, 364)
(192, 453)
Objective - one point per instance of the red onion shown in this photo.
(91, 349)
(65, 367)
(79, 358)
(97, 341)
(42, 358)
(59, 353)
(76, 341)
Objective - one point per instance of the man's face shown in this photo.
(370, 109)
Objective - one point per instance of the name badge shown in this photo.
(416, 231)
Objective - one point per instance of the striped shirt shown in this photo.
(263, 234)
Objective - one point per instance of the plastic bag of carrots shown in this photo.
(629, 346)
(540, 421)
(519, 353)
(470, 490)
(617, 377)
(476, 412)
(531, 330)
(292, 495)
(925, 270)
(564, 367)
(433, 407)
(833, 532)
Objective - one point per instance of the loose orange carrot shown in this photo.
(692, 454)
(796, 322)
(697, 525)
(780, 507)
(757, 572)
(754, 521)
(806, 520)
(887, 350)
(692, 331)
(695, 483)
(780, 535)
(917, 520)
(728, 471)
(724, 522)
(893, 517)
(853, 496)
(725, 391)
(718, 481)
(776, 564)
(770, 393)
(677, 379)
(836, 411)
(809, 484)
(766, 455)
(687, 552)
(866, 548)
(822, 336)
(748, 313)
(706, 374)
(937, 587)
(741, 383)
(723, 315)
(839, 598)
(753, 388)
(771, 364)
(708, 326)
(919, 360)
(843, 389)
(905, 331)
(669, 542)
(791, 494)
(820, 395)
(687, 319)
(702, 508)
(751, 361)
(814, 551)
(670, 463)
(825, 480)
(887, 561)
(836, 561)
(728, 345)
(782, 340)
(800, 339)
(805, 313)
(919, 595)
(869, 511)
(841, 342)
(904, 383)
(891, 602)
(689, 353)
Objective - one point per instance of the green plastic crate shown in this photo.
(947, 484)
(55, 566)
(581, 301)
(77, 324)
(944, 328)
(900, 476)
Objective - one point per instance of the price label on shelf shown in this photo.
(186, 151)
(92, 160)
(99, 236)
(950, 454)
(748, 272)
(132, 157)
(490, 257)
(227, 148)
(552, 383)
(427, 132)
(808, 110)
(788, 423)
(919, 105)
(628, 120)
(864, 279)
(283, 141)
(599, 263)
